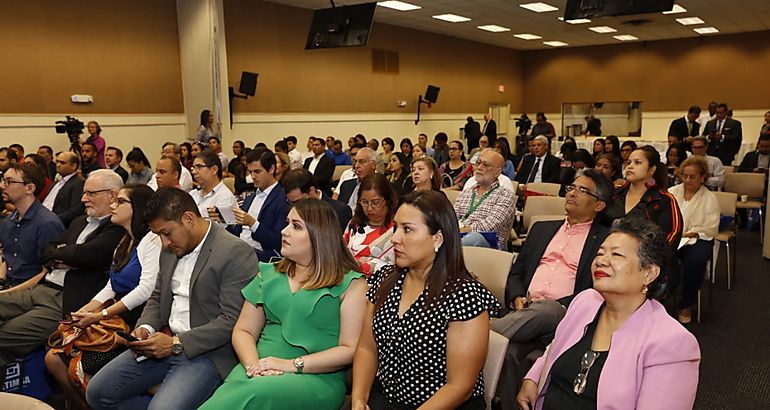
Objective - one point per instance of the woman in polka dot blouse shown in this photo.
(426, 327)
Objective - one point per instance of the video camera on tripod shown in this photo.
(524, 124)
(73, 127)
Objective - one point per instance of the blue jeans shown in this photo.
(123, 383)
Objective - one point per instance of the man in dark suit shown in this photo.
(321, 166)
(555, 263)
(758, 160)
(490, 129)
(262, 216)
(724, 134)
(113, 157)
(186, 327)
(541, 166)
(76, 269)
(64, 197)
(364, 165)
(299, 184)
(472, 133)
(686, 127)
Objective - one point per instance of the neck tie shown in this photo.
(689, 128)
(719, 126)
(534, 171)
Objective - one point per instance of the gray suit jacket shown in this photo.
(225, 265)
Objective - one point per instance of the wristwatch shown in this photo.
(105, 314)
(176, 346)
(299, 363)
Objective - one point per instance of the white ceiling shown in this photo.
(728, 16)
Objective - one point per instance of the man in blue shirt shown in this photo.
(336, 153)
(27, 230)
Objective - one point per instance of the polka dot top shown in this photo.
(412, 348)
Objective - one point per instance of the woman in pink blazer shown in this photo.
(617, 348)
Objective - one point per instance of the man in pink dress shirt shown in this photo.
(555, 263)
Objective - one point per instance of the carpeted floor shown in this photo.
(734, 334)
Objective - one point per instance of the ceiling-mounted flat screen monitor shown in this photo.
(583, 9)
(345, 26)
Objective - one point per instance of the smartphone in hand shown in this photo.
(127, 336)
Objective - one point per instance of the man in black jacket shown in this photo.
(64, 197)
(472, 133)
(724, 134)
(686, 127)
(321, 165)
(299, 184)
(76, 269)
(113, 156)
(757, 161)
(541, 166)
(555, 263)
(490, 129)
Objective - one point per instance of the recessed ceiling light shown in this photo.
(578, 21)
(626, 37)
(398, 5)
(555, 43)
(676, 9)
(689, 21)
(539, 7)
(527, 36)
(452, 18)
(602, 29)
(493, 28)
(706, 30)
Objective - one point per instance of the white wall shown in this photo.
(147, 131)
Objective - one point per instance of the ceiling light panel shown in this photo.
(539, 7)
(578, 21)
(602, 29)
(676, 9)
(706, 30)
(555, 43)
(493, 28)
(626, 37)
(398, 5)
(452, 18)
(689, 21)
(527, 36)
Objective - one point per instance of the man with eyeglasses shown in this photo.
(299, 184)
(364, 164)
(75, 269)
(64, 198)
(488, 206)
(716, 177)
(28, 229)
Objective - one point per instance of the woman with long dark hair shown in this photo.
(426, 328)
(425, 174)
(206, 128)
(501, 146)
(612, 145)
(135, 267)
(399, 173)
(675, 156)
(457, 168)
(406, 148)
(185, 155)
(369, 231)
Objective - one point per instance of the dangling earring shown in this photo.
(644, 289)
(435, 250)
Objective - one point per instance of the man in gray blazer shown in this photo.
(185, 329)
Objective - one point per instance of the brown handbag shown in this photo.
(99, 337)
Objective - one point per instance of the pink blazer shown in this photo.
(652, 363)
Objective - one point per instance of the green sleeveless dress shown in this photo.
(296, 324)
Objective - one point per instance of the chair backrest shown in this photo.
(515, 185)
(19, 402)
(727, 202)
(729, 169)
(745, 183)
(229, 183)
(542, 205)
(451, 194)
(491, 267)
(537, 218)
(498, 345)
(546, 188)
(338, 170)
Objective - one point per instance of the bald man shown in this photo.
(487, 207)
(64, 197)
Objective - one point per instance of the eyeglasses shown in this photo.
(200, 166)
(90, 194)
(121, 201)
(7, 181)
(582, 190)
(579, 385)
(371, 204)
(362, 161)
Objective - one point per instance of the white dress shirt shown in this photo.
(51, 197)
(56, 276)
(148, 251)
(539, 172)
(716, 173)
(296, 159)
(314, 163)
(185, 181)
(179, 319)
(347, 174)
(254, 209)
(220, 197)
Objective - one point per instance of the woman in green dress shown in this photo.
(299, 326)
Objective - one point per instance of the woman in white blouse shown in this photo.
(700, 212)
(132, 278)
